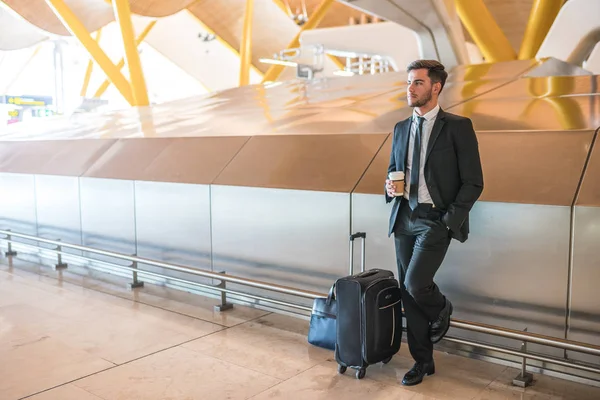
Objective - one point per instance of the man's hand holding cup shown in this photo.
(395, 184)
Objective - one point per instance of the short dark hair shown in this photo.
(435, 70)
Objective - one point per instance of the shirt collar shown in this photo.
(430, 115)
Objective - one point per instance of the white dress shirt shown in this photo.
(424, 196)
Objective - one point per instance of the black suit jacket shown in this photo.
(452, 169)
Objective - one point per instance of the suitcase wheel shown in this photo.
(360, 373)
(387, 360)
(341, 369)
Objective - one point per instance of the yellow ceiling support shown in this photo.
(336, 61)
(543, 13)
(221, 40)
(275, 70)
(287, 11)
(246, 44)
(132, 57)
(485, 31)
(285, 7)
(121, 63)
(77, 29)
(90, 67)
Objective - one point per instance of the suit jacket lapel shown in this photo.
(435, 132)
(403, 139)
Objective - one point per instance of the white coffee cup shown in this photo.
(398, 178)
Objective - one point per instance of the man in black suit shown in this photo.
(439, 155)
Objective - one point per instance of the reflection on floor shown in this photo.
(68, 337)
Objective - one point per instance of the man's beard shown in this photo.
(422, 102)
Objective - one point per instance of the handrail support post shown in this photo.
(136, 283)
(224, 305)
(524, 378)
(9, 252)
(60, 265)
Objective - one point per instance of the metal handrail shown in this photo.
(525, 337)
(552, 360)
(172, 267)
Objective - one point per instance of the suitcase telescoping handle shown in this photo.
(363, 236)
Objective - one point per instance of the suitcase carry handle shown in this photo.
(357, 235)
(366, 274)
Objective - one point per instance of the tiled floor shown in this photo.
(67, 337)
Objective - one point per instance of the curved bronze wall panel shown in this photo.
(453, 93)
(383, 123)
(552, 86)
(518, 167)
(329, 163)
(373, 181)
(389, 108)
(533, 167)
(181, 160)
(500, 70)
(456, 92)
(330, 92)
(127, 159)
(547, 113)
(366, 104)
(52, 157)
(334, 121)
(362, 104)
(589, 194)
(94, 14)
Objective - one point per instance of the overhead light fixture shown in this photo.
(206, 37)
(278, 62)
(270, 84)
(343, 72)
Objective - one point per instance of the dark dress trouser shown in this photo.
(421, 240)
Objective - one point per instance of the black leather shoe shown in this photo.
(418, 372)
(440, 326)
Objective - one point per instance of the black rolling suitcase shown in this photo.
(369, 318)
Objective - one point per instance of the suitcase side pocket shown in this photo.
(386, 325)
(348, 329)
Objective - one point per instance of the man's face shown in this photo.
(420, 91)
